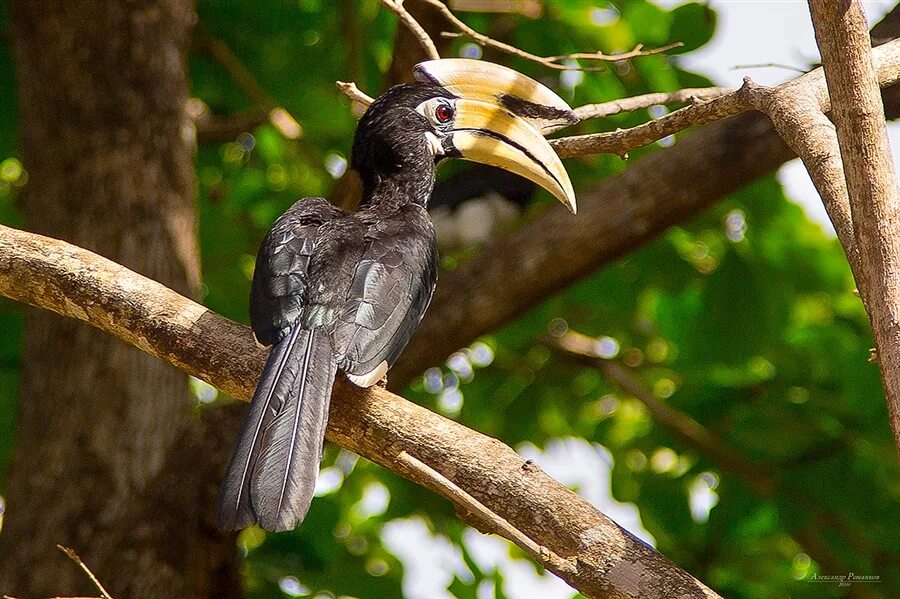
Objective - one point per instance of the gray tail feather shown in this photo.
(272, 474)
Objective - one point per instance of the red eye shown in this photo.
(443, 113)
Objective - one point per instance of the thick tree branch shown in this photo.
(594, 554)
(857, 111)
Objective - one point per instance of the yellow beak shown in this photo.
(496, 84)
(490, 134)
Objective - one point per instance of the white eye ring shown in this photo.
(439, 112)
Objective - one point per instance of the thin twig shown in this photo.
(350, 90)
(396, 7)
(768, 65)
(622, 141)
(558, 62)
(605, 109)
(74, 557)
(280, 118)
(635, 52)
(500, 525)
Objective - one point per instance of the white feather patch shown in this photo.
(258, 344)
(434, 143)
(367, 380)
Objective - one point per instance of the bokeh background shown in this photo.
(744, 320)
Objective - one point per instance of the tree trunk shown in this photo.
(109, 153)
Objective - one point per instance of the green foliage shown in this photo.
(745, 320)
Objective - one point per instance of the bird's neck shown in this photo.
(401, 187)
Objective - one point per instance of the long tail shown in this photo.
(272, 473)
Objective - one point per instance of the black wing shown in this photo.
(390, 289)
(279, 292)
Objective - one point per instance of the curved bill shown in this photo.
(489, 82)
(490, 134)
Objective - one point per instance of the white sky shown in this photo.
(752, 32)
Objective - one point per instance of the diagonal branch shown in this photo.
(580, 348)
(278, 116)
(396, 7)
(608, 562)
(767, 484)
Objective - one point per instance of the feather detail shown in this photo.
(367, 380)
(283, 479)
(235, 509)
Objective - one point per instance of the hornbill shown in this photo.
(339, 291)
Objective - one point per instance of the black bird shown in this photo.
(339, 291)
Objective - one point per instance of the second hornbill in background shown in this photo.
(339, 291)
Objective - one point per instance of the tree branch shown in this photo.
(560, 62)
(868, 171)
(763, 481)
(396, 7)
(277, 115)
(376, 424)
(663, 188)
(693, 95)
(580, 348)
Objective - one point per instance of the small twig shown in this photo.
(554, 62)
(635, 52)
(350, 90)
(74, 557)
(396, 7)
(622, 141)
(693, 95)
(280, 118)
(458, 496)
(768, 65)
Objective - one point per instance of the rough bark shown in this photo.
(104, 138)
(576, 542)
(871, 182)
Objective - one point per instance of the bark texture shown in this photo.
(575, 541)
(108, 149)
(874, 199)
